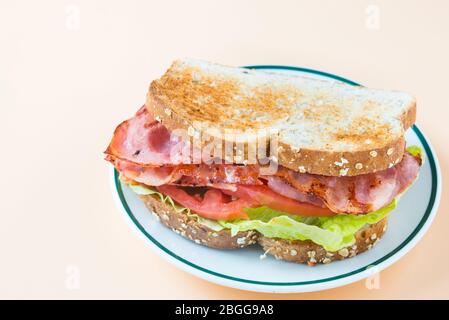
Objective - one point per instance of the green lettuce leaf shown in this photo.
(414, 150)
(333, 233)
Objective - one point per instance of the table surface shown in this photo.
(70, 71)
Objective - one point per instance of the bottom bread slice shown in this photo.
(312, 253)
(295, 251)
(191, 229)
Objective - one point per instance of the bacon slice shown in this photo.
(205, 175)
(196, 175)
(357, 194)
(151, 176)
(145, 141)
(281, 186)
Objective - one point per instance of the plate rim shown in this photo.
(353, 275)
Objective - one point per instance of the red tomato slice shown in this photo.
(264, 196)
(214, 205)
(217, 205)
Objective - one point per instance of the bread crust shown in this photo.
(342, 163)
(294, 251)
(182, 114)
(312, 253)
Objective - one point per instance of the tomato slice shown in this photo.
(217, 205)
(264, 196)
(214, 205)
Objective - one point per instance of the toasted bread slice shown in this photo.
(323, 127)
(295, 251)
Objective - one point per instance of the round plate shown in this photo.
(243, 269)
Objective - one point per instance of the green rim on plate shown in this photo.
(425, 217)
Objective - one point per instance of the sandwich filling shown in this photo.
(287, 204)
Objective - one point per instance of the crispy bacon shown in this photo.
(196, 175)
(203, 174)
(281, 186)
(357, 194)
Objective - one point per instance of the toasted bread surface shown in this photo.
(294, 251)
(322, 127)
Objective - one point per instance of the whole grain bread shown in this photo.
(312, 253)
(190, 229)
(323, 127)
(294, 251)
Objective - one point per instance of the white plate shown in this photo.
(243, 269)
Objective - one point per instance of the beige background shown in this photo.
(65, 85)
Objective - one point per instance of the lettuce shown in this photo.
(333, 233)
(414, 150)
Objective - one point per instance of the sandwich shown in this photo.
(231, 157)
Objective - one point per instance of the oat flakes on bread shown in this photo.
(312, 253)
